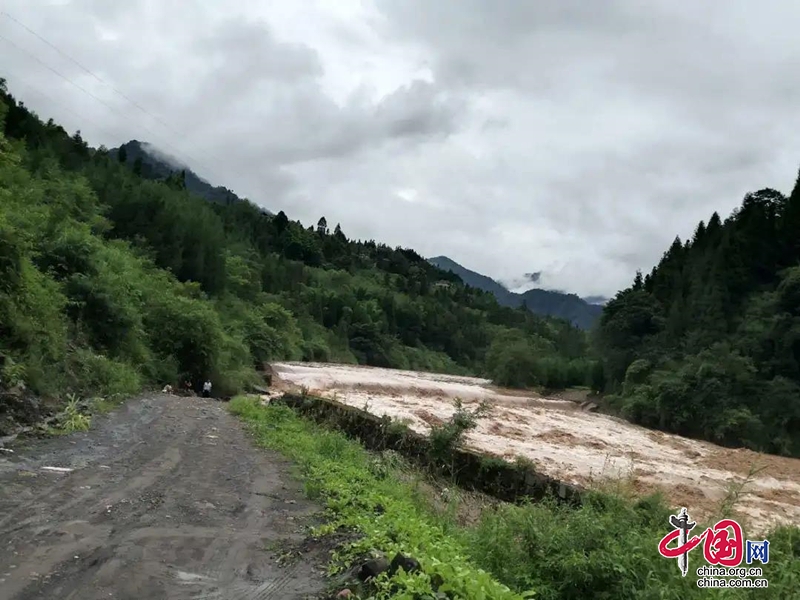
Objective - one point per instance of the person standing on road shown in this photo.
(207, 389)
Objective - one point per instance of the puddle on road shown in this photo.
(185, 577)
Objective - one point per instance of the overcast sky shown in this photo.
(566, 137)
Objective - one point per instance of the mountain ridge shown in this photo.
(552, 303)
(153, 163)
(156, 164)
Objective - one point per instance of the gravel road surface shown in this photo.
(167, 498)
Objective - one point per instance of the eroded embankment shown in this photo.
(470, 470)
(564, 443)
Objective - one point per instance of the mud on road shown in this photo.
(167, 498)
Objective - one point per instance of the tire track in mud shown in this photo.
(168, 499)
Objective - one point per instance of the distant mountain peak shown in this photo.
(567, 306)
(164, 157)
(598, 300)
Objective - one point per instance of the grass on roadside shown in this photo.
(105, 404)
(604, 550)
(343, 475)
(77, 414)
(74, 419)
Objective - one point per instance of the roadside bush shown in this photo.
(73, 419)
(270, 331)
(33, 330)
(186, 329)
(603, 550)
(448, 437)
(88, 373)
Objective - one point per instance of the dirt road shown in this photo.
(167, 499)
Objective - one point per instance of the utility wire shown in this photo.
(100, 79)
(100, 100)
(89, 72)
(36, 90)
(110, 86)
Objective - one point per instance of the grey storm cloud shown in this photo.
(579, 137)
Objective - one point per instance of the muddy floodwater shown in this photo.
(565, 442)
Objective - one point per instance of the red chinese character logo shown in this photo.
(680, 549)
(719, 549)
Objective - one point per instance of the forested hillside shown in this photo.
(708, 344)
(144, 161)
(109, 281)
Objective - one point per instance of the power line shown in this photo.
(101, 101)
(68, 57)
(68, 109)
(114, 89)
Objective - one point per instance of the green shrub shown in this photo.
(73, 418)
(89, 374)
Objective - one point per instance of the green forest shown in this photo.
(707, 345)
(111, 281)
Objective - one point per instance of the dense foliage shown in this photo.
(708, 344)
(110, 279)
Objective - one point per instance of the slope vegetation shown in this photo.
(110, 280)
(148, 163)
